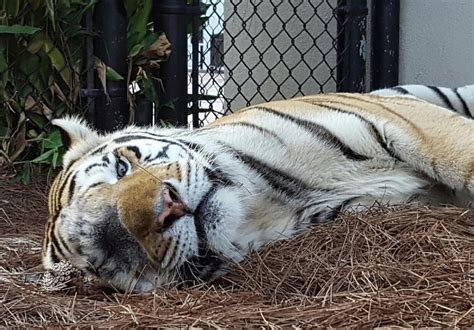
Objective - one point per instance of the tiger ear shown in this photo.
(73, 131)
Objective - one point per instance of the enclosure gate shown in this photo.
(247, 52)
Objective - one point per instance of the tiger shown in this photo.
(143, 208)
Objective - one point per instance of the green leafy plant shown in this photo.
(146, 50)
(41, 63)
(42, 68)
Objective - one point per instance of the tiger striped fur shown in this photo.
(147, 207)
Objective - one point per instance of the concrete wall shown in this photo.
(277, 67)
(437, 42)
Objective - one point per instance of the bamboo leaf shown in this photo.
(11, 7)
(56, 160)
(138, 14)
(113, 75)
(50, 10)
(36, 43)
(58, 62)
(44, 156)
(53, 141)
(18, 29)
(135, 50)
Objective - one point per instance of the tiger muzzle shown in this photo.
(140, 195)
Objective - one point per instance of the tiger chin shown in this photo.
(143, 208)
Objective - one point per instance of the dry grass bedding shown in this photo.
(402, 266)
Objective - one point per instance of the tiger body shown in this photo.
(256, 176)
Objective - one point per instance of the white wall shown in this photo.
(437, 42)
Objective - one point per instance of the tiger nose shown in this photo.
(173, 209)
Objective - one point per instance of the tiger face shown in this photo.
(138, 210)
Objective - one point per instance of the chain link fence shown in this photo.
(254, 51)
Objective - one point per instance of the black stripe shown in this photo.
(128, 138)
(260, 129)
(173, 254)
(54, 257)
(279, 180)
(188, 176)
(367, 101)
(179, 143)
(92, 166)
(63, 243)
(213, 173)
(98, 150)
(218, 177)
(400, 90)
(443, 97)
(192, 146)
(375, 132)
(72, 186)
(61, 189)
(46, 235)
(465, 108)
(95, 185)
(55, 199)
(329, 214)
(163, 153)
(178, 169)
(318, 131)
(326, 214)
(66, 169)
(56, 250)
(135, 150)
(146, 132)
(155, 137)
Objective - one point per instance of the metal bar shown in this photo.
(170, 16)
(90, 84)
(351, 45)
(385, 43)
(112, 111)
(143, 112)
(195, 64)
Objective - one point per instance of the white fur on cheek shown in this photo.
(228, 213)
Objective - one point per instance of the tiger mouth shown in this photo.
(201, 267)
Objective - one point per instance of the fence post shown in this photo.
(171, 17)
(110, 20)
(384, 43)
(195, 63)
(351, 45)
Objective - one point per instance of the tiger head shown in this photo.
(138, 209)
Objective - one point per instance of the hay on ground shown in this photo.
(404, 266)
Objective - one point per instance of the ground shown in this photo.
(403, 266)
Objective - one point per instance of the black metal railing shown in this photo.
(232, 53)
